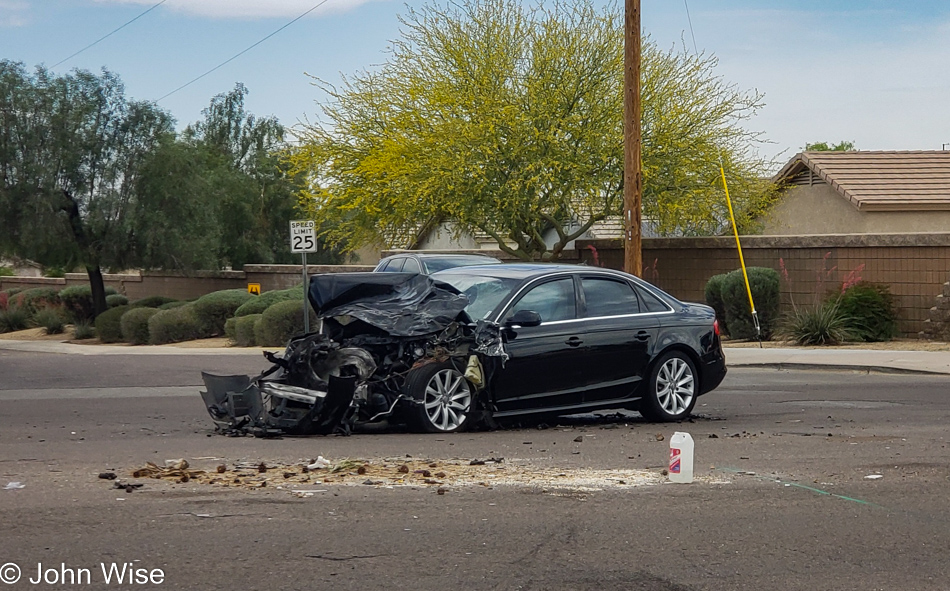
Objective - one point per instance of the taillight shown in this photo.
(716, 327)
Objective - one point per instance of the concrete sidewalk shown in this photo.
(932, 362)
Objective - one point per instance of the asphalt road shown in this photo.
(781, 500)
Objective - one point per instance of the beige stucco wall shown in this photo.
(819, 209)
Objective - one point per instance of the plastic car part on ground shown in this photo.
(377, 329)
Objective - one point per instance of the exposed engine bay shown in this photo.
(378, 329)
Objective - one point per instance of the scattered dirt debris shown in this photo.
(396, 472)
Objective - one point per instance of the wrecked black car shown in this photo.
(445, 351)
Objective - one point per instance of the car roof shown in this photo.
(521, 270)
(432, 255)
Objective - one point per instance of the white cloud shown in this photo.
(13, 13)
(247, 8)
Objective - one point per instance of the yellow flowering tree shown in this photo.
(507, 120)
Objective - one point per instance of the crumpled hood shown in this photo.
(401, 304)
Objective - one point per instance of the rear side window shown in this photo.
(553, 300)
(411, 266)
(394, 265)
(651, 303)
(609, 297)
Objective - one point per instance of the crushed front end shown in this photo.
(376, 329)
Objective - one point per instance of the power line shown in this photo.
(690, 21)
(110, 34)
(234, 57)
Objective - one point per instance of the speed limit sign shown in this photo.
(303, 236)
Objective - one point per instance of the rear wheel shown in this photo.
(671, 391)
(444, 395)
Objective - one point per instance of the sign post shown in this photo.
(303, 239)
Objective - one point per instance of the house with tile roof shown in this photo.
(892, 192)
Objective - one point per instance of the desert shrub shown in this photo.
(83, 329)
(764, 284)
(77, 300)
(213, 309)
(33, 300)
(57, 272)
(13, 319)
(173, 305)
(116, 299)
(152, 302)
(173, 326)
(282, 321)
(240, 330)
(823, 324)
(872, 311)
(134, 325)
(713, 293)
(52, 319)
(257, 304)
(109, 326)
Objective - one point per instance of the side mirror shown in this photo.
(524, 318)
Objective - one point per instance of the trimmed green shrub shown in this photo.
(764, 283)
(152, 302)
(6, 271)
(174, 326)
(173, 305)
(57, 272)
(714, 299)
(213, 309)
(77, 300)
(33, 300)
(82, 330)
(52, 319)
(872, 310)
(824, 324)
(282, 321)
(13, 319)
(116, 299)
(257, 304)
(134, 325)
(240, 329)
(109, 326)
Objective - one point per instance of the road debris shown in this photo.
(107, 475)
(14, 486)
(177, 470)
(874, 477)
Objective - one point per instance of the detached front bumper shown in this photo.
(238, 405)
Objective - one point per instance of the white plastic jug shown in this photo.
(681, 458)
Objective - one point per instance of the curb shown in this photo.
(781, 365)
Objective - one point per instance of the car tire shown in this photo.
(443, 398)
(671, 390)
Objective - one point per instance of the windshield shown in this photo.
(484, 293)
(434, 264)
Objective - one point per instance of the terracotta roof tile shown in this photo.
(881, 181)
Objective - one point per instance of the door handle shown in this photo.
(573, 341)
(643, 336)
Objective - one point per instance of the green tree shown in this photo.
(71, 151)
(246, 180)
(507, 121)
(842, 146)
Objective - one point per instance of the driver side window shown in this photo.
(553, 300)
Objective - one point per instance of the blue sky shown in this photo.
(873, 72)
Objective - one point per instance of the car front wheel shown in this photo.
(444, 398)
(671, 391)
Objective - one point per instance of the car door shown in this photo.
(542, 369)
(619, 339)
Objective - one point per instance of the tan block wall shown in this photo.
(915, 266)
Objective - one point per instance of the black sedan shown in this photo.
(582, 338)
(448, 350)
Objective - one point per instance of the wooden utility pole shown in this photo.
(632, 176)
